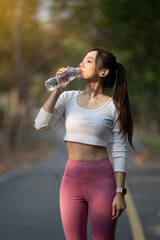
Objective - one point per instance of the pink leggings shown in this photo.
(88, 185)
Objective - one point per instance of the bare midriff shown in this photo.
(85, 152)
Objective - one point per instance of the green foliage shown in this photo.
(135, 30)
(149, 139)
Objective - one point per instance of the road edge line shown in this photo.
(134, 221)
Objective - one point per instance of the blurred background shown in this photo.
(38, 37)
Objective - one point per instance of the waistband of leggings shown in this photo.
(88, 162)
(89, 170)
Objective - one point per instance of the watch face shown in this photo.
(124, 191)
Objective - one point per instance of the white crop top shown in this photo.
(98, 126)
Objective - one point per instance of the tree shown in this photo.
(24, 49)
(135, 34)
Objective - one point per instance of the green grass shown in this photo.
(149, 140)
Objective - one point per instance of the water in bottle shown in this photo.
(52, 83)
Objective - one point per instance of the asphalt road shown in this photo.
(29, 199)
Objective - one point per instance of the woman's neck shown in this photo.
(93, 90)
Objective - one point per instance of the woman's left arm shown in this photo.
(119, 203)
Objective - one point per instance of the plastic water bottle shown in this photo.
(52, 83)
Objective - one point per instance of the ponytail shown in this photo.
(121, 101)
(105, 59)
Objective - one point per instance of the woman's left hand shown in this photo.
(118, 206)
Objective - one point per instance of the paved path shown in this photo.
(29, 199)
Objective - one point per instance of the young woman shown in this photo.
(93, 121)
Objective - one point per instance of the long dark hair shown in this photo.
(117, 73)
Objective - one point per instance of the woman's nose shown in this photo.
(81, 64)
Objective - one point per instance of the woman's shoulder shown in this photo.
(70, 93)
(112, 107)
(68, 96)
(110, 102)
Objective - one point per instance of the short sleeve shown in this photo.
(46, 120)
(118, 147)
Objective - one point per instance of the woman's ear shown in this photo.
(104, 72)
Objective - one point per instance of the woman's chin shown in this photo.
(80, 77)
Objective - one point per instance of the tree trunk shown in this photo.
(18, 66)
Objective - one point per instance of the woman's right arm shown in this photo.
(51, 101)
(53, 109)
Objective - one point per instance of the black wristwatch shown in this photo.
(121, 190)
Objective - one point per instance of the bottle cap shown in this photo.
(78, 69)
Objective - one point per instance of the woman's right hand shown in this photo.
(63, 85)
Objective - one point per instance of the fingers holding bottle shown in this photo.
(62, 83)
(62, 70)
(63, 78)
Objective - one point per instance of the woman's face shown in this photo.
(88, 67)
